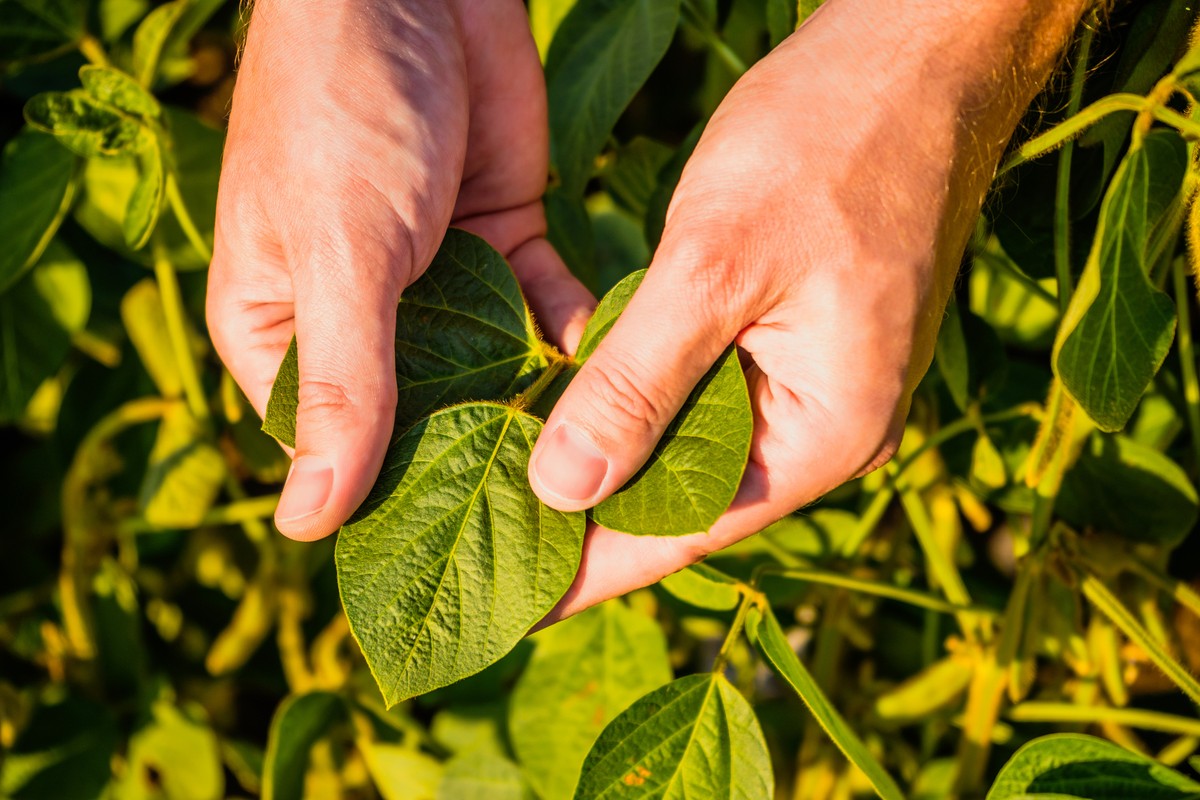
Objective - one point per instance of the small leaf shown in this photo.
(774, 646)
(1118, 327)
(452, 558)
(299, 722)
(583, 673)
(184, 475)
(634, 179)
(694, 737)
(987, 464)
(462, 333)
(174, 756)
(1071, 765)
(37, 185)
(602, 53)
(483, 776)
(703, 587)
(1123, 487)
(34, 28)
(146, 326)
(85, 125)
(114, 88)
(403, 774)
(151, 35)
(693, 473)
(145, 204)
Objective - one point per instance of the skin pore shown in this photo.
(819, 225)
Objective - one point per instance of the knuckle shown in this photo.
(625, 399)
(330, 402)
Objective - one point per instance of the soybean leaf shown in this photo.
(544, 18)
(634, 178)
(602, 53)
(1072, 765)
(773, 644)
(402, 774)
(1124, 487)
(33, 28)
(151, 35)
(781, 19)
(569, 229)
(114, 88)
(462, 333)
(620, 247)
(668, 179)
(584, 671)
(141, 215)
(298, 723)
(146, 326)
(452, 558)
(37, 185)
(693, 473)
(184, 475)
(1118, 327)
(703, 587)
(85, 125)
(173, 756)
(37, 317)
(483, 776)
(694, 737)
(65, 752)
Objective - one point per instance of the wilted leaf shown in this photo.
(694, 471)
(602, 53)
(114, 88)
(462, 333)
(299, 722)
(1071, 765)
(584, 672)
(452, 558)
(85, 125)
(1118, 327)
(37, 185)
(694, 737)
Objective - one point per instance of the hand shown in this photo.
(360, 130)
(818, 225)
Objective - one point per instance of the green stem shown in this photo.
(910, 596)
(869, 521)
(1133, 717)
(1020, 277)
(1179, 591)
(719, 47)
(93, 51)
(1187, 355)
(1188, 127)
(168, 286)
(235, 513)
(557, 364)
(1062, 200)
(964, 424)
(1072, 127)
(184, 218)
(749, 599)
(1107, 604)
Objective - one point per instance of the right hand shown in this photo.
(360, 130)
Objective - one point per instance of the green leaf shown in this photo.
(85, 125)
(569, 229)
(145, 204)
(34, 28)
(1118, 327)
(64, 752)
(703, 587)
(151, 35)
(452, 558)
(483, 776)
(146, 326)
(462, 333)
(184, 475)
(583, 673)
(634, 178)
(37, 185)
(544, 18)
(781, 19)
(1072, 765)
(402, 774)
(299, 722)
(773, 644)
(694, 737)
(693, 473)
(173, 756)
(603, 52)
(114, 88)
(1124, 487)
(37, 317)
(668, 179)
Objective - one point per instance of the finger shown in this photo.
(347, 278)
(615, 410)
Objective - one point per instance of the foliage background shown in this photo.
(1014, 572)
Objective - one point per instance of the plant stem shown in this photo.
(749, 600)
(718, 45)
(964, 424)
(1102, 598)
(1072, 127)
(235, 513)
(93, 51)
(910, 596)
(184, 218)
(168, 286)
(1187, 355)
(1062, 200)
(1133, 717)
(869, 521)
(1179, 591)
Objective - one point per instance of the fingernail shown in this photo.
(306, 490)
(570, 465)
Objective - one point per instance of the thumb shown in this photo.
(606, 424)
(346, 289)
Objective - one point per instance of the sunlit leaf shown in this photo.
(85, 125)
(403, 774)
(37, 185)
(703, 587)
(694, 737)
(584, 672)
(452, 558)
(544, 18)
(150, 37)
(184, 475)
(173, 756)
(483, 776)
